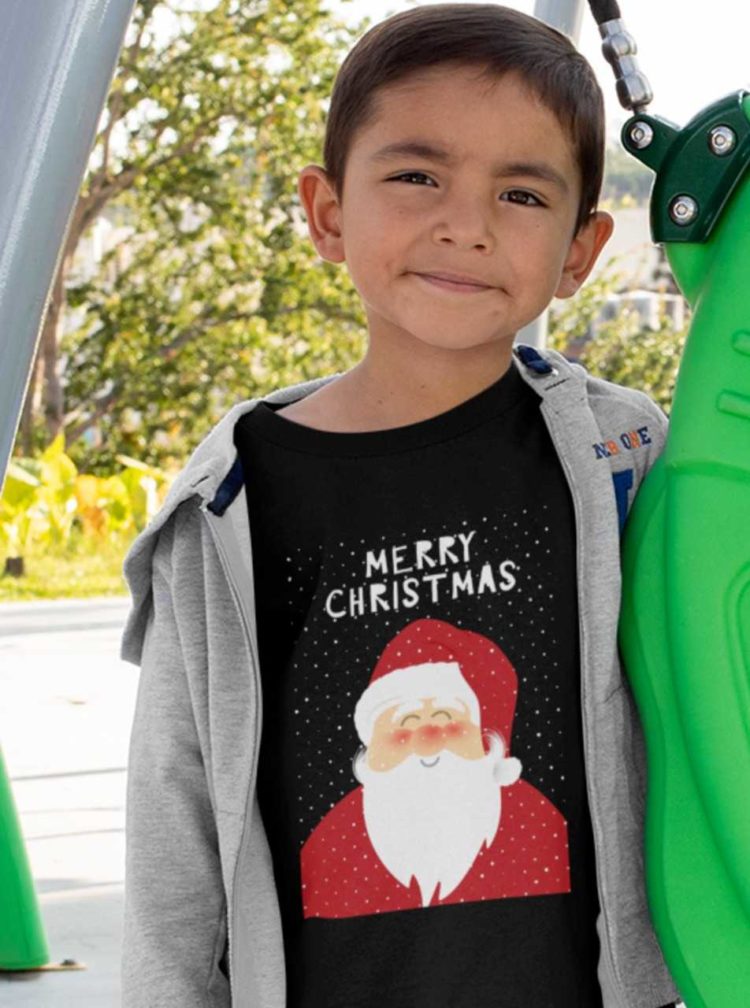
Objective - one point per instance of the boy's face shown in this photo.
(511, 230)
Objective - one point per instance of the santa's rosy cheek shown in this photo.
(400, 738)
(455, 729)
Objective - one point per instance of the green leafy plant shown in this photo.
(45, 499)
(622, 349)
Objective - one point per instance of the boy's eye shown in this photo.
(520, 196)
(411, 174)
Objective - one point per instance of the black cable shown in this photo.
(605, 10)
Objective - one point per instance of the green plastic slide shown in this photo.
(22, 941)
(685, 622)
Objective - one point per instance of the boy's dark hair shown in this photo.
(483, 35)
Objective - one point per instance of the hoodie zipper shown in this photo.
(216, 534)
(598, 842)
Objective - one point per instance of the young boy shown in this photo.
(383, 751)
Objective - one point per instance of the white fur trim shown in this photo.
(415, 682)
(507, 771)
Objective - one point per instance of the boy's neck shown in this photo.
(391, 390)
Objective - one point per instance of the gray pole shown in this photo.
(566, 16)
(57, 59)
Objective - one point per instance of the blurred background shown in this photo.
(188, 282)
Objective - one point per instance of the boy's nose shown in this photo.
(466, 224)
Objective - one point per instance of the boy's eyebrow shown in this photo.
(420, 148)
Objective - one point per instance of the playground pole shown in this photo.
(566, 16)
(56, 64)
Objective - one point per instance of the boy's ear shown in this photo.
(323, 212)
(584, 251)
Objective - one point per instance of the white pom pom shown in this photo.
(507, 771)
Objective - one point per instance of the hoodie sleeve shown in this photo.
(658, 428)
(174, 933)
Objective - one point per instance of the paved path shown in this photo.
(66, 706)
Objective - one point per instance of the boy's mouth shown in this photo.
(453, 285)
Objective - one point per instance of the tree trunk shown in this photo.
(14, 566)
(53, 394)
(31, 406)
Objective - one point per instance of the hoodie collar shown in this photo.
(213, 472)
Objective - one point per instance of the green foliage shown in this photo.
(46, 501)
(16, 514)
(38, 501)
(622, 349)
(639, 357)
(217, 294)
(571, 319)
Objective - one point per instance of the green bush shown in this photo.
(48, 508)
(622, 349)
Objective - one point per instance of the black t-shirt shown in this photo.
(421, 775)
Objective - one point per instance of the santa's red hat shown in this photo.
(431, 657)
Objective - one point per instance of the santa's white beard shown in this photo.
(430, 822)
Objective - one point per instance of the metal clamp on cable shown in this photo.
(619, 49)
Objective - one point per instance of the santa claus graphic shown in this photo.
(441, 814)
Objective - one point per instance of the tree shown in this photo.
(217, 292)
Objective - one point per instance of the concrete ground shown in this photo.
(66, 705)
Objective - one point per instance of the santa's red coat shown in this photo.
(342, 875)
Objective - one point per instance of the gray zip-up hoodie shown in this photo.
(202, 927)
